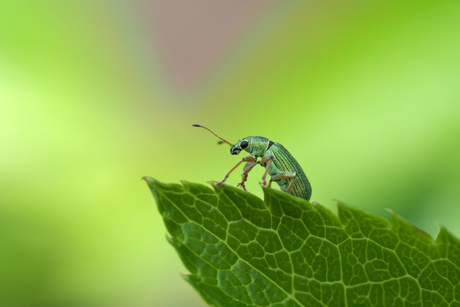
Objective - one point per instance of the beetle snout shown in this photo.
(234, 151)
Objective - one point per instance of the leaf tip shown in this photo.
(153, 186)
(216, 184)
(445, 236)
(149, 180)
(172, 241)
(402, 226)
(393, 215)
(185, 276)
(340, 204)
(185, 183)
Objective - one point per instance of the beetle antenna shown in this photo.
(196, 125)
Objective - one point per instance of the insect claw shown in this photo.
(241, 185)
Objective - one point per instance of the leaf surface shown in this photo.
(285, 251)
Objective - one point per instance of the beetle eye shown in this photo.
(244, 144)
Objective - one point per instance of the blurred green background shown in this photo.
(96, 94)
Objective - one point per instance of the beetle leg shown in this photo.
(247, 168)
(266, 159)
(290, 186)
(241, 184)
(285, 175)
(245, 159)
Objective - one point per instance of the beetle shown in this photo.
(277, 161)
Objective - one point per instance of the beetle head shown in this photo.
(243, 144)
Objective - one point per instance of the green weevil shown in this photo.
(277, 161)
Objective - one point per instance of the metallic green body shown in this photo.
(283, 161)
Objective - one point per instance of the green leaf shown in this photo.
(284, 251)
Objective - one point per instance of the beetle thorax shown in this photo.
(257, 146)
